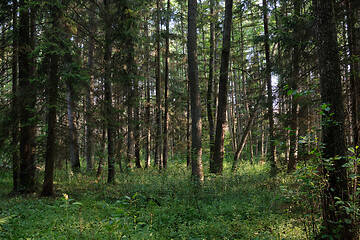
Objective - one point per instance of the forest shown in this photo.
(172, 119)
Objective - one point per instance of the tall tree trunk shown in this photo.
(294, 79)
(158, 138)
(166, 86)
(108, 96)
(338, 223)
(89, 153)
(196, 148)
(27, 101)
(223, 89)
(354, 83)
(209, 96)
(52, 87)
(269, 92)
(15, 102)
(148, 98)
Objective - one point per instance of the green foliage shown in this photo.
(144, 204)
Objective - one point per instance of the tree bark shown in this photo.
(27, 103)
(217, 166)
(272, 149)
(15, 102)
(166, 94)
(337, 222)
(73, 135)
(53, 82)
(148, 98)
(294, 79)
(89, 153)
(108, 95)
(196, 148)
(209, 96)
(158, 138)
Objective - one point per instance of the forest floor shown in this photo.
(144, 204)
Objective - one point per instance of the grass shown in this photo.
(144, 204)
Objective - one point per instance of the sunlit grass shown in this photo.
(146, 204)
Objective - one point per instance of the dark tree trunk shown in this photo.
(272, 149)
(158, 138)
(27, 101)
(295, 78)
(53, 82)
(209, 96)
(108, 97)
(166, 86)
(137, 125)
(15, 103)
(73, 135)
(89, 153)
(196, 148)
(333, 137)
(223, 90)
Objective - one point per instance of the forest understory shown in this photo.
(144, 204)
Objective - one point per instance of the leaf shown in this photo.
(6, 219)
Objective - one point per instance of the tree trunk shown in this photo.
(196, 148)
(223, 89)
(102, 155)
(294, 79)
(272, 149)
(53, 83)
(166, 86)
(148, 98)
(209, 95)
(137, 126)
(89, 154)
(242, 142)
(73, 136)
(158, 138)
(338, 223)
(27, 101)
(15, 103)
(108, 97)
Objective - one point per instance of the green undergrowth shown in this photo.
(144, 204)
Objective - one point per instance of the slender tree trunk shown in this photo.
(196, 148)
(209, 96)
(27, 101)
(188, 131)
(242, 142)
(272, 149)
(15, 102)
(223, 90)
(158, 139)
(338, 223)
(166, 86)
(148, 98)
(89, 154)
(137, 126)
(295, 78)
(108, 97)
(354, 85)
(53, 82)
